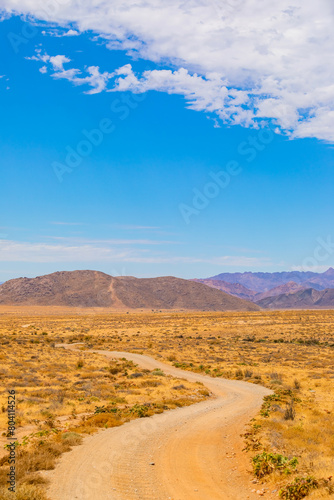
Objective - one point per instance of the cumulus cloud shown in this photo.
(244, 60)
(208, 93)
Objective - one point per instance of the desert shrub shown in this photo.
(105, 409)
(150, 383)
(72, 438)
(290, 412)
(266, 406)
(159, 372)
(50, 419)
(61, 394)
(248, 373)
(135, 375)
(251, 438)
(266, 463)
(238, 373)
(114, 369)
(80, 363)
(296, 384)
(139, 411)
(299, 489)
(176, 403)
(277, 377)
(41, 457)
(103, 420)
(34, 479)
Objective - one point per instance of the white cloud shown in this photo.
(109, 251)
(244, 60)
(208, 93)
(314, 269)
(14, 251)
(58, 62)
(98, 81)
(71, 33)
(60, 33)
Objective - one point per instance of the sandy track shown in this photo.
(184, 454)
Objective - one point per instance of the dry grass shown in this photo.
(24, 492)
(63, 395)
(291, 352)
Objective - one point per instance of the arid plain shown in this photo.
(64, 395)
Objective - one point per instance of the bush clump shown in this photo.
(299, 489)
(266, 463)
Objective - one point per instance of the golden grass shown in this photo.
(292, 352)
(62, 395)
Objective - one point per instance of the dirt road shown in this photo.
(191, 453)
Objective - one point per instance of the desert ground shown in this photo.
(65, 395)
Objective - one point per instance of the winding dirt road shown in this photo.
(191, 453)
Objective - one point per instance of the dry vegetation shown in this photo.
(63, 395)
(292, 352)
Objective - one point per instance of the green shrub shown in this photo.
(300, 488)
(266, 463)
(105, 409)
(139, 410)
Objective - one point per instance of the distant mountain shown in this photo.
(302, 299)
(289, 287)
(96, 289)
(232, 288)
(262, 282)
(323, 280)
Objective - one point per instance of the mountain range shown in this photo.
(294, 289)
(262, 282)
(97, 289)
(302, 299)
(223, 292)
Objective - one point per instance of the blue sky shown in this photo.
(143, 198)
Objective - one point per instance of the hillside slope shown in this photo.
(96, 289)
(302, 299)
(232, 288)
(287, 288)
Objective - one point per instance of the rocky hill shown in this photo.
(302, 299)
(96, 289)
(232, 288)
